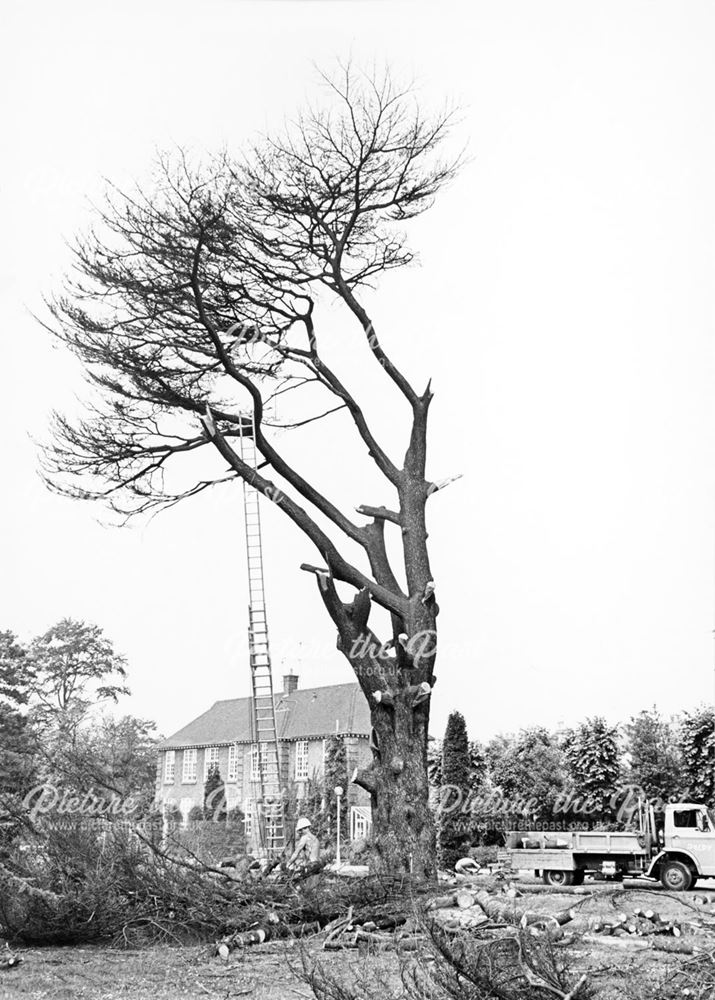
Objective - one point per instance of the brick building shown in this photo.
(305, 719)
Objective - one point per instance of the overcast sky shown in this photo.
(563, 305)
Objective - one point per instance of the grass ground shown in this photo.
(266, 972)
(154, 973)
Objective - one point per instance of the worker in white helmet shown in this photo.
(307, 850)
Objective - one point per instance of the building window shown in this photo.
(232, 770)
(255, 769)
(360, 822)
(210, 759)
(188, 774)
(169, 766)
(248, 817)
(301, 760)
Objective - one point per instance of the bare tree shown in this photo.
(193, 306)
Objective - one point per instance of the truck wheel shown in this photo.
(676, 876)
(554, 877)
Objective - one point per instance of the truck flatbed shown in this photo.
(581, 842)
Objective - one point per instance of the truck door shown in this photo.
(692, 830)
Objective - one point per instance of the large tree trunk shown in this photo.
(400, 801)
(398, 689)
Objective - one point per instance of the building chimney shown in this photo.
(290, 683)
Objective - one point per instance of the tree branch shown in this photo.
(339, 567)
(379, 513)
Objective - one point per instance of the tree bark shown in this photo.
(400, 797)
(397, 777)
(398, 687)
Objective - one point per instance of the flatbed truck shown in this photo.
(678, 852)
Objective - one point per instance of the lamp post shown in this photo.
(338, 795)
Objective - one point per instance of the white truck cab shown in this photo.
(687, 843)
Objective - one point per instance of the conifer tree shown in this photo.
(593, 759)
(456, 784)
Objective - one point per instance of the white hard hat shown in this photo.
(302, 823)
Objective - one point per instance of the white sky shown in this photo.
(563, 308)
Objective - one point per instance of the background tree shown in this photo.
(528, 771)
(18, 747)
(454, 831)
(655, 759)
(109, 757)
(127, 748)
(434, 762)
(73, 667)
(697, 743)
(478, 766)
(14, 674)
(593, 761)
(478, 770)
(195, 303)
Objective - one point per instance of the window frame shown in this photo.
(360, 824)
(255, 762)
(232, 765)
(248, 817)
(301, 758)
(169, 772)
(689, 814)
(189, 766)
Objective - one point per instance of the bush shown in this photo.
(483, 855)
(207, 841)
(358, 851)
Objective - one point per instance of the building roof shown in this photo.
(302, 714)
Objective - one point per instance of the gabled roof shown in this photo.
(305, 713)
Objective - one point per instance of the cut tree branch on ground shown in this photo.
(533, 979)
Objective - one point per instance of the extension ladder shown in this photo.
(271, 819)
